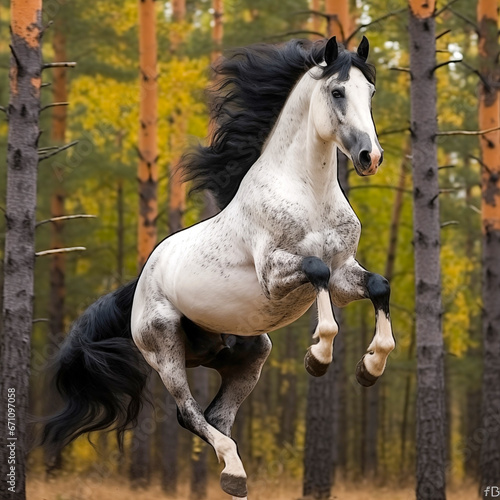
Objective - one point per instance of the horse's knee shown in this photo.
(379, 291)
(317, 272)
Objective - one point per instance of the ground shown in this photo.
(88, 488)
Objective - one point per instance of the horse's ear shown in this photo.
(364, 48)
(331, 51)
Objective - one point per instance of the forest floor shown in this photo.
(85, 488)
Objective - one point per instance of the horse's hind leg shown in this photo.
(156, 331)
(239, 365)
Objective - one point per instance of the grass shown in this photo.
(81, 487)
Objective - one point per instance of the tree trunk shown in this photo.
(218, 29)
(140, 468)
(288, 391)
(199, 467)
(339, 22)
(19, 257)
(489, 117)
(57, 292)
(318, 453)
(169, 439)
(120, 233)
(426, 227)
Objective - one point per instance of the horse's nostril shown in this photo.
(365, 158)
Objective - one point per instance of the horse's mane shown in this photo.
(251, 87)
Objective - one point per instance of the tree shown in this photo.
(426, 233)
(57, 265)
(489, 117)
(325, 421)
(140, 468)
(19, 258)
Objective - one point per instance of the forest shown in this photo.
(430, 427)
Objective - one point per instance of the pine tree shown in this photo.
(140, 468)
(489, 118)
(426, 230)
(19, 257)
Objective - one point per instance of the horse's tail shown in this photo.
(100, 373)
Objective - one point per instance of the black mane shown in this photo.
(252, 86)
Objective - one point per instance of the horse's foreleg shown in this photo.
(320, 355)
(353, 282)
(372, 364)
(239, 366)
(282, 272)
(158, 336)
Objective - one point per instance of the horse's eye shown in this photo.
(337, 94)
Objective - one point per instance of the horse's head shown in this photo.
(341, 105)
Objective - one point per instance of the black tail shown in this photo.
(100, 373)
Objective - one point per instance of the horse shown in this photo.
(285, 237)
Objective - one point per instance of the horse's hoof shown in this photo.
(313, 366)
(364, 378)
(234, 485)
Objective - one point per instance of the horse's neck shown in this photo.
(295, 147)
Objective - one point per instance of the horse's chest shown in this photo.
(333, 238)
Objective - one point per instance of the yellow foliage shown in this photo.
(459, 308)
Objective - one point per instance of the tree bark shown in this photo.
(57, 292)
(19, 257)
(288, 391)
(199, 467)
(318, 453)
(431, 481)
(218, 29)
(140, 468)
(339, 23)
(489, 117)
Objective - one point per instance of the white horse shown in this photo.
(285, 237)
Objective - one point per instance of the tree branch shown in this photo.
(66, 217)
(466, 19)
(440, 65)
(40, 320)
(56, 151)
(53, 104)
(60, 250)
(446, 7)
(46, 27)
(445, 32)
(314, 13)
(393, 131)
(59, 65)
(450, 223)
(486, 84)
(468, 132)
(404, 70)
(299, 32)
(377, 20)
(4, 110)
(481, 162)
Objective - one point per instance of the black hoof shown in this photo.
(234, 485)
(363, 377)
(313, 366)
